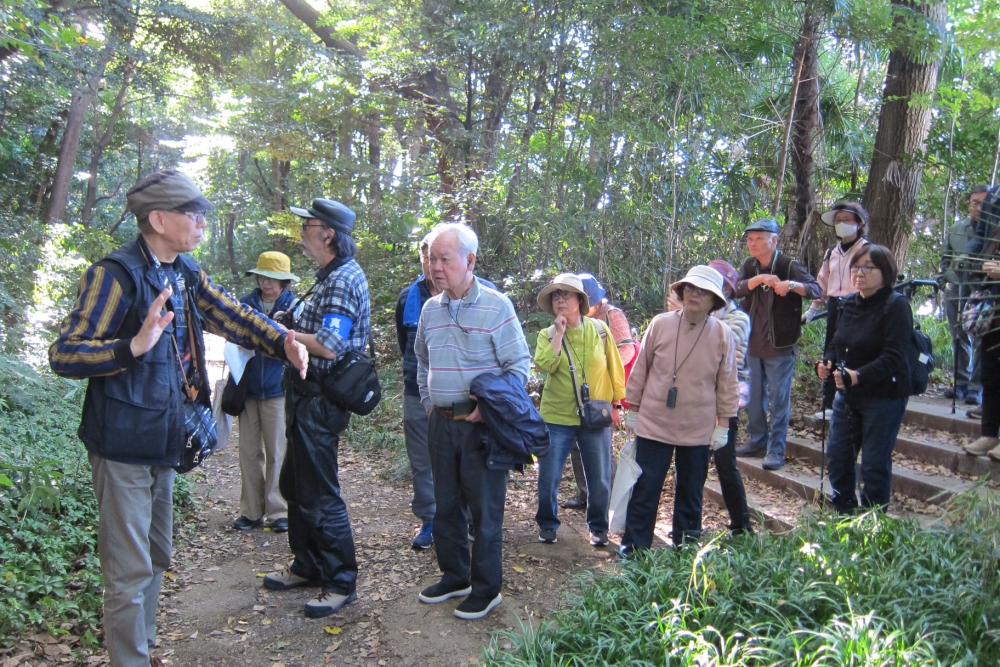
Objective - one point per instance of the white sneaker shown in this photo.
(824, 414)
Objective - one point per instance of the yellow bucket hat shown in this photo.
(274, 264)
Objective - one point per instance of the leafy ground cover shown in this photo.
(49, 570)
(869, 590)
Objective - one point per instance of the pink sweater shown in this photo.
(706, 383)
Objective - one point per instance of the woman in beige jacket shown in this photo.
(684, 387)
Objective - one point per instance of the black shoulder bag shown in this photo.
(593, 414)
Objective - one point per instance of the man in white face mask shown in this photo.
(850, 222)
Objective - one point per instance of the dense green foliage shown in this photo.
(870, 590)
(49, 570)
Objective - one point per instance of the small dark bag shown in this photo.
(234, 397)
(201, 436)
(593, 414)
(353, 383)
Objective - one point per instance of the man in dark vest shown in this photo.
(136, 333)
(773, 286)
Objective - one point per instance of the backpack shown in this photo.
(919, 357)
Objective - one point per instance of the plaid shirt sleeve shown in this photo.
(344, 292)
(87, 345)
(237, 322)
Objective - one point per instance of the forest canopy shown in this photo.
(629, 139)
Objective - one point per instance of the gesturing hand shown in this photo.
(297, 354)
(153, 326)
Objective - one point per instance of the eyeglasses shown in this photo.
(196, 218)
(692, 289)
(306, 225)
(563, 294)
(863, 269)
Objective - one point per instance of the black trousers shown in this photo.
(654, 459)
(462, 480)
(731, 481)
(989, 353)
(319, 529)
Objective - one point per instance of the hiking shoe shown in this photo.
(981, 446)
(747, 449)
(547, 535)
(826, 414)
(328, 602)
(425, 538)
(626, 552)
(284, 580)
(598, 538)
(958, 393)
(474, 607)
(995, 453)
(243, 523)
(279, 525)
(576, 503)
(974, 413)
(773, 462)
(442, 592)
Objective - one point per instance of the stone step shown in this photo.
(936, 413)
(922, 486)
(948, 456)
(776, 517)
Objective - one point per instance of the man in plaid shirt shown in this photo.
(335, 318)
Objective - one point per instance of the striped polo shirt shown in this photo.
(461, 339)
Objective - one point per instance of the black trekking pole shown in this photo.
(955, 342)
(822, 451)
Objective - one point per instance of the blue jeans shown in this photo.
(461, 479)
(654, 459)
(868, 426)
(770, 394)
(595, 450)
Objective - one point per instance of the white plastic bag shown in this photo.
(621, 491)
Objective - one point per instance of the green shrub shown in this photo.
(869, 590)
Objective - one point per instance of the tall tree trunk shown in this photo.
(83, 96)
(104, 139)
(904, 122)
(806, 136)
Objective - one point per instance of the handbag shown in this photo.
(353, 383)
(234, 397)
(978, 314)
(593, 414)
(201, 436)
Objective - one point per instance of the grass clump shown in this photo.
(49, 570)
(869, 590)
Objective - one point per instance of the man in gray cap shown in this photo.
(773, 286)
(136, 333)
(335, 319)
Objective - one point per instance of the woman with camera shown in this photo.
(684, 387)
(867, 360)
(584, 388)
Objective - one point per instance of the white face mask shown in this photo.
(845, 230)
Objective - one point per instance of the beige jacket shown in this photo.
(707, 388)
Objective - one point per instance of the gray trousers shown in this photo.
(415, 424)
(134, 542)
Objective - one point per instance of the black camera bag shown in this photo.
(353, 383)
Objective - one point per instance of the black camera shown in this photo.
(285, 318)
(584, 392)
(844, 375)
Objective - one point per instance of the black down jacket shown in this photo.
(514, 428)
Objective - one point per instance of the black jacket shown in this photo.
(784, 321)
(514, 428)
(872, 337)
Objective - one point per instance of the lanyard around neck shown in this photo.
(677, 368)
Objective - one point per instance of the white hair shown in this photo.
(425, 243)
(468, 242)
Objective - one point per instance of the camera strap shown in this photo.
(677, 344)
(572, 372)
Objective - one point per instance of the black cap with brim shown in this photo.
(331, 213)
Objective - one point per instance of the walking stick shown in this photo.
(822, 453)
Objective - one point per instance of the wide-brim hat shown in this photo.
(564, 281)
(274, 264)
(854, 207)
(331, 213)
(704, 277)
